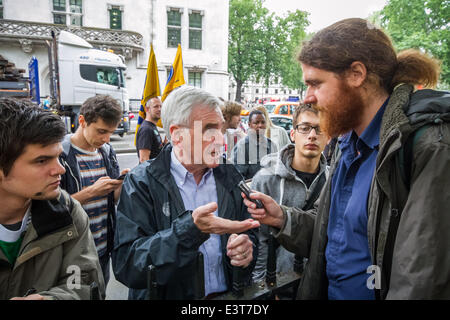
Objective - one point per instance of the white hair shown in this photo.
(177, 108)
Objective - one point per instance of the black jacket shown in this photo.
(153, 228)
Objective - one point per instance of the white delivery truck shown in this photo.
(78, 72)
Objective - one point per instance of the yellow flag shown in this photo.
(151, 88)
(176, 77)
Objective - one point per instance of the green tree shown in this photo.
(420, 24)
(245, 41)
(261, 46)
(294, 24)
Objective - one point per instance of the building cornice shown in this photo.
(39, 32)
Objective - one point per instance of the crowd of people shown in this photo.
(355, 192)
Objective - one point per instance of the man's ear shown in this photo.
(175, 134)
(292, 134)
(81, 121)
(356, 74)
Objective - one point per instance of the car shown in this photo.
(244, 119)
(282, 121)
(124, 125)
(286, 108)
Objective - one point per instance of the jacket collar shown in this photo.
(394, 116)
(48, 216)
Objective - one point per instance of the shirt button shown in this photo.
(69, 233)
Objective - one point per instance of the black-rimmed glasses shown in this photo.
(306, 128)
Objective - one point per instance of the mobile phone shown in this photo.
(122, 176)
(246, 190)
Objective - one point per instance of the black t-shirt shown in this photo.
(306, 177)
(148, 138)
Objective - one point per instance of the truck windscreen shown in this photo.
(102, 74)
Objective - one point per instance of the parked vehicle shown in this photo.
(78, 72)
(282, 121)
(286, 108)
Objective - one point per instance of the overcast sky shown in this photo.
(322, 13)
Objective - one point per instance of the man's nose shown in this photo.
(58, 169)
(310, 97)
(220, 138)
(106, 138)
(312, 134)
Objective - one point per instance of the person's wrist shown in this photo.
(280, 220)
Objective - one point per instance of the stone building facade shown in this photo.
(126, 27)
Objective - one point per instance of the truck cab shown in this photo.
(85, 72)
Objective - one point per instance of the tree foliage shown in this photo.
(420, 24)
(261, 46)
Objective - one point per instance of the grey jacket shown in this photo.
(278, 180)
(421, 255)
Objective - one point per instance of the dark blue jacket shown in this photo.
(71, 180)
(153, 228)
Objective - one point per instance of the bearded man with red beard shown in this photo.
(380, 230)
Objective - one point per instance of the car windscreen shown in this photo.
(282, 122)
(269, 107)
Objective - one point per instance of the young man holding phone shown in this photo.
(92, 170)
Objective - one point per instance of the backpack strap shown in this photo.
(405, 155)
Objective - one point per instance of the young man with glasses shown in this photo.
(293, 177)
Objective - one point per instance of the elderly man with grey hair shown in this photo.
(183, 202)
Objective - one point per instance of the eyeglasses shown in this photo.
(306, 129)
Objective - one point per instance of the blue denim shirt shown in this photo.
(195, 196)
(347, 252)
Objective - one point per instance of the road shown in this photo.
(116, 290)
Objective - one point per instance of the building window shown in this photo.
(195, 30)
(195, 79)
(1, 9)
(68, 12)
(276, 91)
(115, 18)
(59, 5)
(59, 19)
(173, 27)
(267, 91)
(256, 90)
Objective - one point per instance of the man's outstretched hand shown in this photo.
(207, 222)
(271, 214)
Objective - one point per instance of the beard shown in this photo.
(344, 114)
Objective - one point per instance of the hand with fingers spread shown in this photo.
(270, 214)
(240, 250)
(207, 222)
